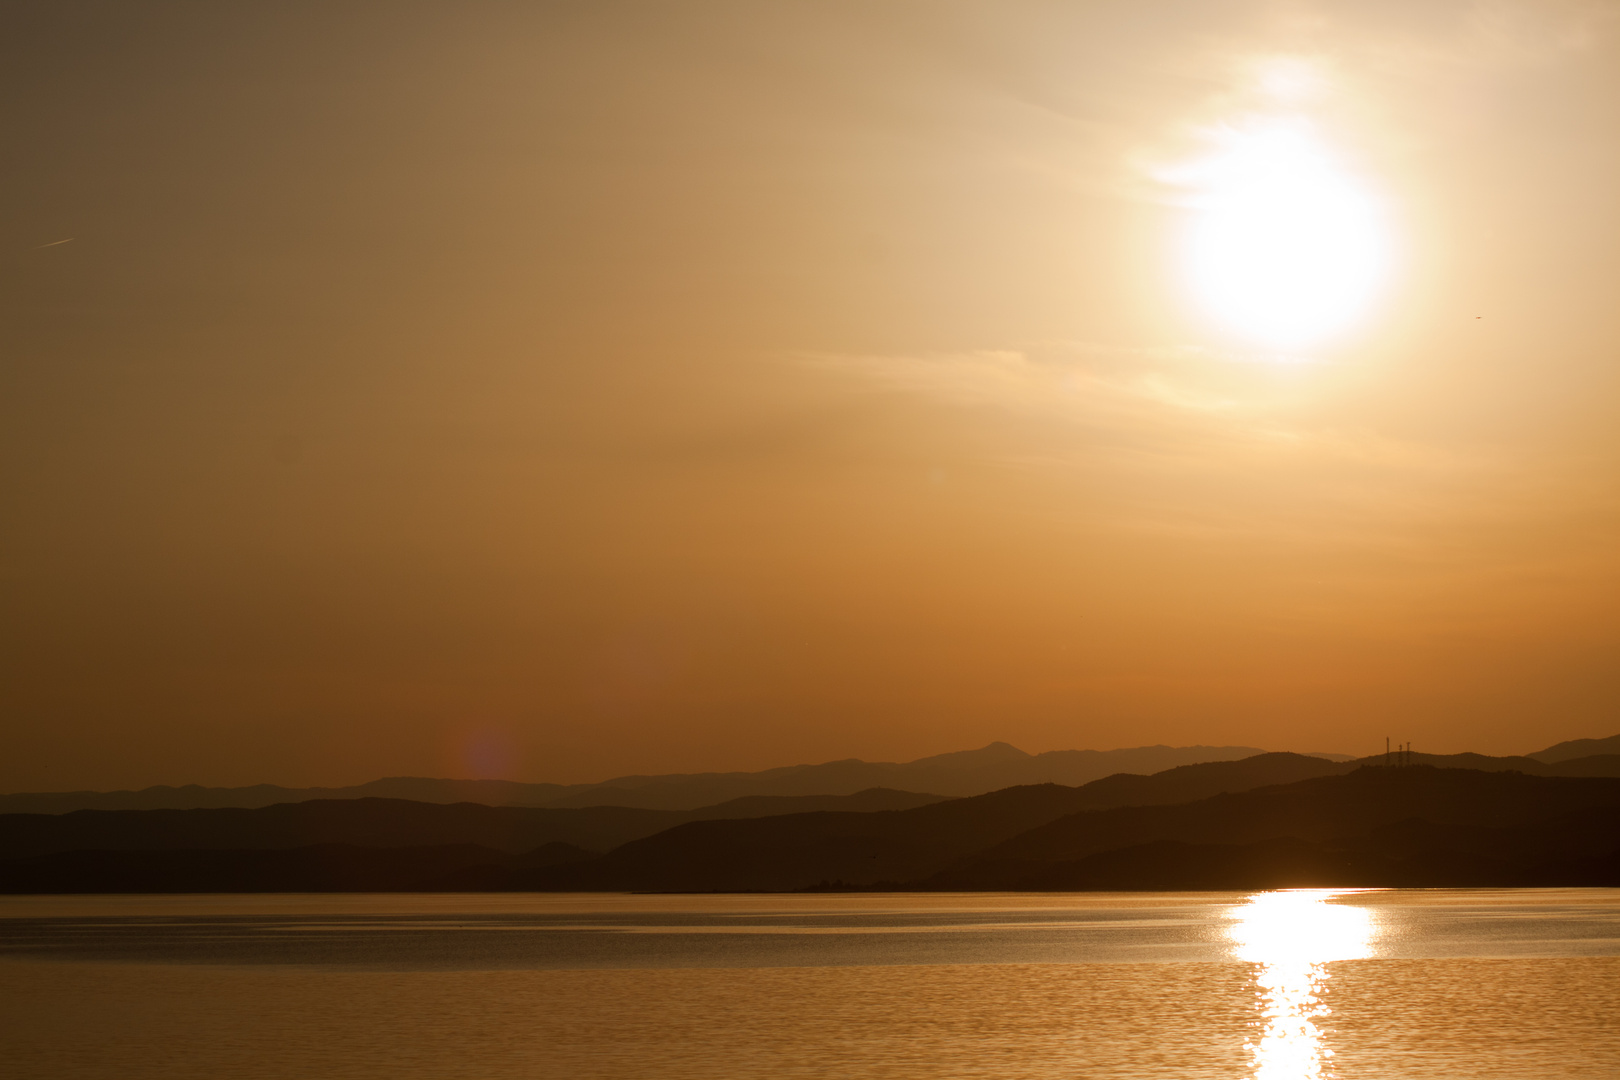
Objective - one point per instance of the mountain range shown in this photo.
(389, 823)
(968, 772)
(963, 773)
(1264, 820)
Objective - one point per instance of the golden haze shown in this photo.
(557, 391)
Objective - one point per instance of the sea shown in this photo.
(1287, 985)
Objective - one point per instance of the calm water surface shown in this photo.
(1271, 986)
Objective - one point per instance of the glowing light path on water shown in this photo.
(1293, 936)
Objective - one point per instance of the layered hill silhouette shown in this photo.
(1506, 822)
(1264, 821)
(1578, 748)
(1373, 826)
(969, 772)
(98, 850)
(791, 852)
(966, 773)
(1594, 765)
(391, 823)
(310, 868)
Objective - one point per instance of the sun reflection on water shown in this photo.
(1293, 936)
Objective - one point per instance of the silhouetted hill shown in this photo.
(1478, 762)
(1418, 825)
(1190, 782)
(872, 799)
(1484, 827)
(195, 797)
(1269, 820)
(1595, 765)
(1406, 855)
(920, 839)
(970, 772)
(314, 868)
(1578, 748)
(370, 823)
(966, 773)
(384, 823)
(793, 851)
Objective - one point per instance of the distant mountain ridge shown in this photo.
(1577, 748)
(786, 853)
(396, 823)
(961, 773)
(1273, 820)
(397, 844)
(1417, 826)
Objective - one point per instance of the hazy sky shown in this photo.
(559, 390)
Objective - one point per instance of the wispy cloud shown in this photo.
(1180, 442)
(1179, 400)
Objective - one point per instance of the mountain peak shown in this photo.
(994, 752)
(1577, 748)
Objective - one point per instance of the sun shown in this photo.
(1285, 249)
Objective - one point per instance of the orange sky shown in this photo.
(559, 390)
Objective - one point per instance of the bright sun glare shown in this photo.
(1286, 249)
(1292, 937)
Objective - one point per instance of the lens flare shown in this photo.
(1293, 936)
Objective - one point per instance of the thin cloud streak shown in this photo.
(1194, 446)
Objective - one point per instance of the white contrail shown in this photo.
(53, 243)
